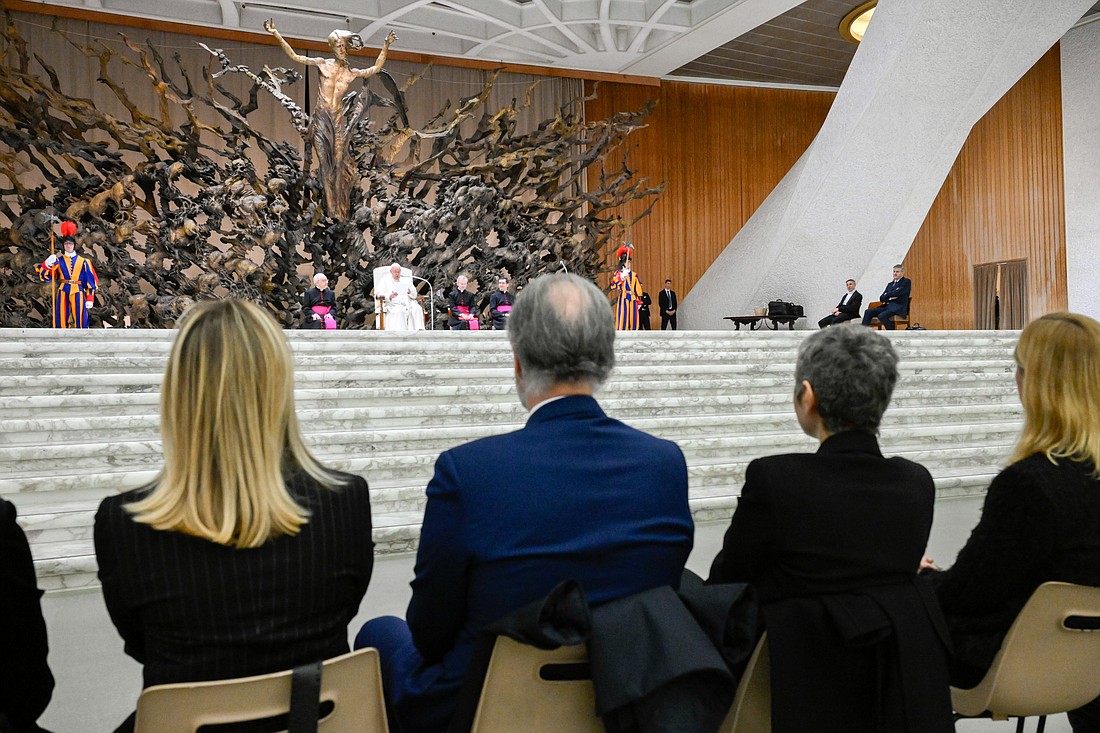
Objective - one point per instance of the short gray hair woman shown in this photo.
(839, 534)
(562, 333)
(851, 373)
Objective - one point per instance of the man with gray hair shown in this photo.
(894, 300)
(573, 495)
(832, 541)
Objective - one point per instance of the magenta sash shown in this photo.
(504, 309)
(465, 311)
(323, 311)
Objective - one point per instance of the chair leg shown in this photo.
(1020, 725)
(1042, 724)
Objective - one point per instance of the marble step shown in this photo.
(45, 339)
(771, 359)
(378, 425)
(70, 563)
(388, 404)
(707, 458)
(696, 437)
(473, 383)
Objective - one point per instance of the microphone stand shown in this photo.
(431, 301)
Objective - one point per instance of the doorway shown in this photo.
(1000, 295)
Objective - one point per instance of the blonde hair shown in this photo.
(229, 431)
(1059, 358)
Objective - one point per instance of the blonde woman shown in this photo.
(1041, 518)
(245, 555)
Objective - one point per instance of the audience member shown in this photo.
(319, 304)
(894, 298)
(829, 540)
(847, 309)
(628, 289)
(245, 555)
(1041, 517)
(573, 495)
(25, 680)
(463, 315)
(668, 304)
(500, 304)
(643, 311)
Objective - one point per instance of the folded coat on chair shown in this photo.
(661, 660)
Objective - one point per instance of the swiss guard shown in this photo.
(74, 281)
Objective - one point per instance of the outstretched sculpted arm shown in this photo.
(269, 26)
(378, 62)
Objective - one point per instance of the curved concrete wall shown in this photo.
(852, 204)
(1081, 143)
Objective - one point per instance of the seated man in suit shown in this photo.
(895, 300)
(832, 541)
(574, 495)
(847, 309)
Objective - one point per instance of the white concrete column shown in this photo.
(926, 72)
(1081, 146)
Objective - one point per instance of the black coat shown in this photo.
(1040, 522)
(460, 298)
(852, 306)
(661, 660)
(497, 299)
(312, 297)
(832, 530)
(26, 683)
(667, 301)
(189, 609)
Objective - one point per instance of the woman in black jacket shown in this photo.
(245, 555)
(1041, 518)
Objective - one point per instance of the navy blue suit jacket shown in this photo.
(572, 495)
(895, 297)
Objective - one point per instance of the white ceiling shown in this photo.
(639, 37)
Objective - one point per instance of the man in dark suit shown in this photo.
(847, 309)
(26, 683)
(832, 541)
(895, 300)
(643, 312)
(667, 302)
(573, 495)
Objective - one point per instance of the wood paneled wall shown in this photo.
(1003, 200)
(721, 150)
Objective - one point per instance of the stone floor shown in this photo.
(97, 684)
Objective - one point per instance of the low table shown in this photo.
(753, 322)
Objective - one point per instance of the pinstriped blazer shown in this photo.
(190, 610)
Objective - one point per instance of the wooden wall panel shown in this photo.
(721, 149)
(1003, 200)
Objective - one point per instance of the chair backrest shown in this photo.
(751, 711)
(352, 682)
(1045, 665)
(531, 690)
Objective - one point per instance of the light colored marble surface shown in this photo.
(724, 397)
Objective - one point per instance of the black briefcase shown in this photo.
(780, 308)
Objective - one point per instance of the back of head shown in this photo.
(1058, 357)
(562, 332)
(853, 371)
(229, 430)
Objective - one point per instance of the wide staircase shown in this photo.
(79, 415)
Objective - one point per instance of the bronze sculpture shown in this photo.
(180, 212)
